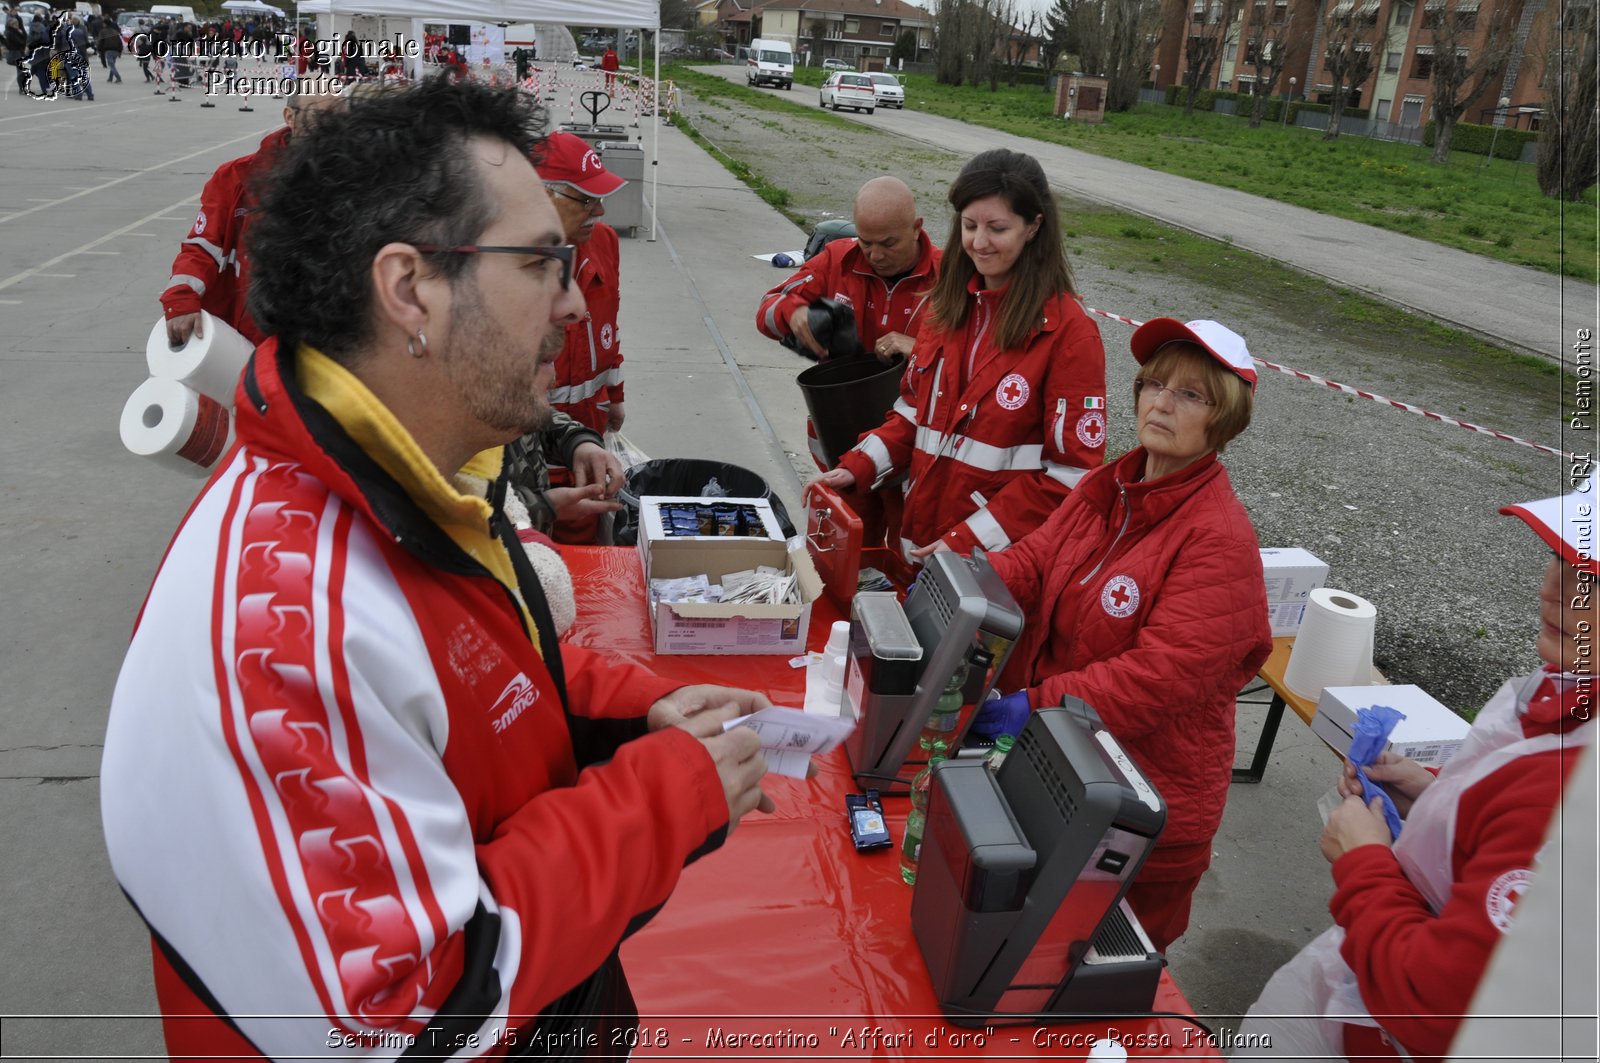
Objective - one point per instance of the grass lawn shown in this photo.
(1490, 207)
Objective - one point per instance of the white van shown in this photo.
(771, 62)
(177, 12)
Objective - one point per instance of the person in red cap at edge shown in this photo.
(588, 372)
(212, 271)
(367, 803)
(1144, 596)
(1417, 917)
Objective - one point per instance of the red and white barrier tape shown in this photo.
(1348, 390)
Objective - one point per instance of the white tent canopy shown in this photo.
(629, 14)
(253, 8)
(619, 14)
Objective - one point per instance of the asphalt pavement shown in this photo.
(94, 199)
(1514, 306)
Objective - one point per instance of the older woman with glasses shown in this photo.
(1146, 600)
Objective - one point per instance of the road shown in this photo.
(1513, 306)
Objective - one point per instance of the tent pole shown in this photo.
(655, 138)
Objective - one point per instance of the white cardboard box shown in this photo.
(1430, 734)
(1291, 574)
(696, 627)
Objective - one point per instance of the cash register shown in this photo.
(1019, 908)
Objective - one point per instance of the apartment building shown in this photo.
(1401, 35)
(860, 32)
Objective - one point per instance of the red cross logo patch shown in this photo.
(606, 335)
(200, 223)
(1120, 596)
(1092, 429)
(1501, 901)
(1012, 392)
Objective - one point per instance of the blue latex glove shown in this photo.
(1002, 715)
(1370, 734)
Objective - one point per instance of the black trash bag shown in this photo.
(834, 325)
(692, 477)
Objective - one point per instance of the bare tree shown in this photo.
(1460, 75)
(818, 31)
(1266, 52)
(1349, 60)
(1569, 140)
(1209, 30)
(1020, 43)
(1116, 39)
(953, 25)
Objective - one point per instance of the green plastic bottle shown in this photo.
(921, 786)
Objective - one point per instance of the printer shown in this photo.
(901, 658)
(1019, 908)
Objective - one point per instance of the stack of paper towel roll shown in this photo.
(183, 415)
(1334, 646)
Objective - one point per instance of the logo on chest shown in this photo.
(518, 697)
(1012, 392)
(607, 335)
(1120, 596)
(200, 223)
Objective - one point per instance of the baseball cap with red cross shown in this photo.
(566, 158)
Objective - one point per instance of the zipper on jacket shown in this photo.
(1127, 514)
(594, 355)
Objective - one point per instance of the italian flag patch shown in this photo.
(1094, 402)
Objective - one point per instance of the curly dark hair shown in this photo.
(384, 167)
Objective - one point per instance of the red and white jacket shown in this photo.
(211, 271)
(992, 440)
(1147, 601)
(1422, 919)
(840, 271)
(350, 777)
(589, 368)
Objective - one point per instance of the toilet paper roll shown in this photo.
(175, 426)
(209, 363)
(1334, 646)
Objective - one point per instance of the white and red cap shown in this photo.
(1566, 523)
(1221, 342)
(566, 158)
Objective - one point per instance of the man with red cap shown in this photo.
(1144, 597)
(1417, 916)
(588, 371)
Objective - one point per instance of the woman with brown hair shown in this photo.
(1002, 408)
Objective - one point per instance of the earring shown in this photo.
(411, 348)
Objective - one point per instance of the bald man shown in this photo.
(884, 274)
(211, 272)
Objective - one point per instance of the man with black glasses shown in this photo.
(364, 800)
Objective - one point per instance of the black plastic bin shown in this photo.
(691, 477)
(848, 396)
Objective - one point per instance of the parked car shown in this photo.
(846, 89)
(133, 22)
(836, 64)
(888, 90)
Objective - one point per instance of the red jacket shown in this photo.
(211, 271)
(589, 367)
(1418, 968)
(341, 781)
(840, 271)
(989, 459)
(1146, 600)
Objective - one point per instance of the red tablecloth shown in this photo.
(786, 935)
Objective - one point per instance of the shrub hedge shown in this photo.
(1476, 139)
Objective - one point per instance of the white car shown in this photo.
(836, 64)
(846, 89)
(888, 90)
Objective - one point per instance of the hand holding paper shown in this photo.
(790, 738)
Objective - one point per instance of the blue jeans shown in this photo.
(111, 65)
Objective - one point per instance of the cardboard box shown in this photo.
(1291, 574)
(1430, 734)
(695, 627)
